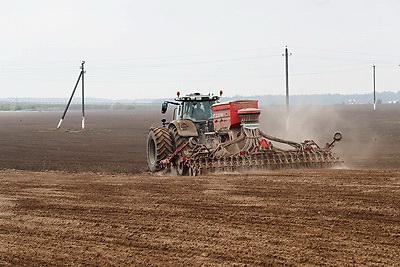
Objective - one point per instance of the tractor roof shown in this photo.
(197, 97)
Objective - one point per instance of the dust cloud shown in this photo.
(364, 131)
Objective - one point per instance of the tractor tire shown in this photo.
(177, 140)
(159, 147)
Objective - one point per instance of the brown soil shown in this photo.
(71, 197)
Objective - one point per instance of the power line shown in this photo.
(347, 52)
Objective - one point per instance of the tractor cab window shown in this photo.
(197, 111)
(177, 113)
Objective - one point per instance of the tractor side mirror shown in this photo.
(164, 107)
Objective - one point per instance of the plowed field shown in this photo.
(71, 197)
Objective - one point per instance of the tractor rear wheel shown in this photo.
(159, 147)
(177, 140)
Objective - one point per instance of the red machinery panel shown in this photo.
(226, 114)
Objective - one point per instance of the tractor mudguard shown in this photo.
(185, 128)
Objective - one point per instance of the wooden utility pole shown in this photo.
(373, 78)
(81, 75)
(83, 95)
(287, 85)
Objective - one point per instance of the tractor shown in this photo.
(206, 136)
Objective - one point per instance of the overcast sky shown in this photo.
(153, 48)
